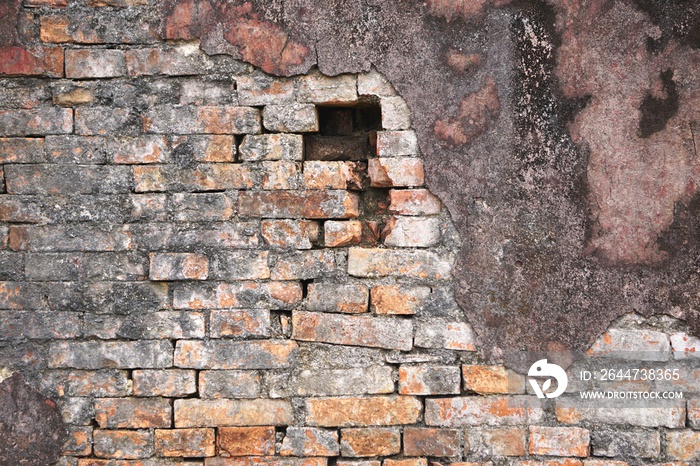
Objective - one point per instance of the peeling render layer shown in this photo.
(561, 135)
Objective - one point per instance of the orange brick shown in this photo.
(132, 413)
(79, 442)
(418, 441)
(187, 443)
(428, 380)
(310, 441)
(683, 445)
(559, 441)
(265, 461)
(396, 172)
(339, 234)
(492, 410)
(398, 299)
(20, 61)
(369, 411)
(247, 441)
(492, 379)
(406, 462)
(310, 204)
(506, 441)
(553, 462)
(366, 442)
(123, 444)
(224, 412)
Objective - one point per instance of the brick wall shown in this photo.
(204, 264)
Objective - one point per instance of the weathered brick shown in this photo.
(76, 411)
(66, 179)
(39, 325)
(275, 295)
(498, 441)
(124, 298)
(671, 415)
(39, 61)
(398, 299)
(413, 202)
(635, 443)
(694, 413)
(74, 97)
(184, 60)
(77, 149)
(178, 266)
(332, 297)
(95, 63)
(122, 444)
(338, 234)
(186, 443)
(99, 28)
(369, 411)
(36, 121)
(370, 263)
(311, 204)
(473, 411)
(203, 177)
(492, 379)
(643, 345)
(210, 148)
(101, 383)
(395, 113)
(419, 441)
(342, 462)
(21, 209)
(21, 150)
(266, 461)
(353, 381)
(202, 120)
(397, 143)
(405, 462)
(247, 441)
(229, 384)
(320, 89)
(411, 232)
(290, 234)
(132, 413)
(263, 89)
(288, 147)
(310, 441)
(168, 382)
(95, 121)
(302, 265)
(374, 83)
(152, 207)
(225, 354)
(202, 207)
(559, 441)
(440, 333)
(243, 323)
(146, 354)
(12, 266)
(549, 462)
(163, 236)
(366, 442)
(685, 346)
(79, 442)
(223, 412)
(396, 172)
(281, 175)
(334, 175)
(683, 445)
(119, 3)
(69, 238)
(429, 380)
(377, 332)
(290, 118)
(144, 149)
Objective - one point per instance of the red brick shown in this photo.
(396, 172)
(145, 149)
(202, 207)
(98, 28)
(122, 444)
(418, 441)
(280, 174)
(683, 445)
(368, 411)
(223, 412)
(290, 234)
(299, 204)
(93, 383)
(374, 262)
(359, 463)
(168, 382)
(247, 441)
(211, 148)
(187, 443)
(242, 323)
(178, 266)
(48, 3)
(428, 380)
(33, 122)
(553, 462)
(310, 441)
(334, 175)
(21, 150)
(20, 61)
(367, 442)
(204, 177)
(184, 60)
(559, 441)
(132, 413)
(303, 265)
(79, 442)
(472, 411)
(266, 461)
(505, 441)
(98, 63)
(492, 379)
(227, 354)
(337, 234)
(405, 462)
(202, 120)
(276, 295)
(398, 299)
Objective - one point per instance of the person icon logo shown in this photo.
(542, 368)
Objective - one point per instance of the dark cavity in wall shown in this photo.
(656, 111)
(679, 19)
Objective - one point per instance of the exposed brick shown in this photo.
(244, 323)
(119, 3)
(178, 266)
(266, 461)
(145, 149)
(203, 177)
(21, 209)
(275, 295)
(396, 143)
(405, 462)
(429, 380)
(163, 236)
(334, 175)
(263, 89)
(223, 412)
(229, 384)
(291, 118)
(374, 332)
(210, 148)
(367, 442)
(122, 444)
(492, 379)
(331, 297)
(21, 150)
(694, 413)
(100, 383)
(550, 462)
(68, 238)
(499, 441)
(187, 443)
(290, 234)
(79, 442)
(370, 263)
(396, 172)
(224, 354)
(40, 61)
(95, 121)
(342, 462)
(337, 234)
(395, 113)
(36, 122)
(398, 299)
(374, 83)
(39, 325)
(310, 441)
(169, 382)
(671, 415)
(319, 89)
(472, 411)
(559, 441)
(247, 441)
(634, 444)
(288, 147)
(95, 63)
(683, 445)
(184, 60)
(353, 381)
(312, 204)
(369, 411)
(66, 179)
(98, 28)
(413, 202)
(643, 345)
(76, 411)
(281, 175)
(303, 265)
(685, 346)
(202, 120)
(132, 413)
(202, 207)
(411, 232)
(439, 333)
(418, 441)
(146, 354)
(148, 206)
(74, 98)
(154, 325)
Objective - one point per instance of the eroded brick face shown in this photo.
(203, 264)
